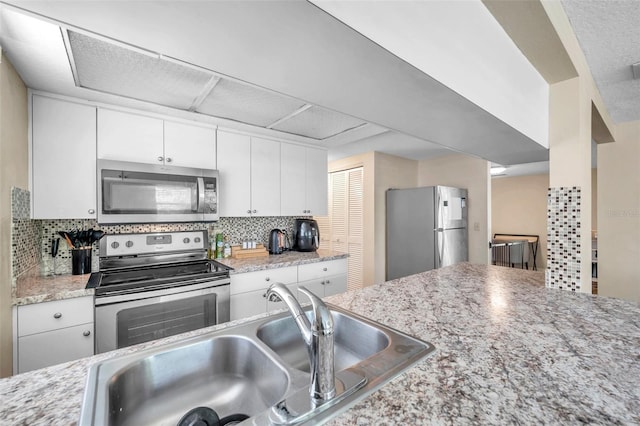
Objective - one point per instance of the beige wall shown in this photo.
(519, 206)
(463, 171)
(594, 200)
(13, 172)
(619, 214)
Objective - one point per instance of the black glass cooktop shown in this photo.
(158, 275)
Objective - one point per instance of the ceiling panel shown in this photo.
(247, 104)
(318, 123)
(110, 68)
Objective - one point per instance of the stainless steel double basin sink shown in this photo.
(257, 369)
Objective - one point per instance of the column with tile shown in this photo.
(569, 196)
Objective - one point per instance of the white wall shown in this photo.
(471, 173)
(472, 54)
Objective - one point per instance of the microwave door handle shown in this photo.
(200, 206)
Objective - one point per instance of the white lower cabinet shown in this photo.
(323, 278)
(53, 332)
(248, 290)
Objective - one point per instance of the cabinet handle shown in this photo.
(324, 269)
(255, 211)
(264, 295)
(57, 315)
(169, 159)
(91, 211)
(328, 282)
(86, 333)
(160, 159)
(249, 211)
(267, 279)
(321, 282)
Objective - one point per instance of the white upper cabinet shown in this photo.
(131, 137)
(234, 166)
(265, 177)
(303, 181)
(249, 175)
(63, 155)
(189, 145)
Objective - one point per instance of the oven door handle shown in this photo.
(200, 206)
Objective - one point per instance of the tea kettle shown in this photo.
(278, 241)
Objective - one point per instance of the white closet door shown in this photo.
(338, 212)
(355, 228)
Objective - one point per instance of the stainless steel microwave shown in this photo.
(147, 193)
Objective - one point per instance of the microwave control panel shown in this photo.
(134, 244)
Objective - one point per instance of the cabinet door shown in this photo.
(314, 286)
(335, 285)
(63, 159)
(317, 182)
(248, 304)
(293, 176)
(265, 177)
(274, 306)
(234, 166)
(189, 145)
(130, 137)
(53, 347)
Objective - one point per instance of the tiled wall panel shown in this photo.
(563, 238)
(25, 234)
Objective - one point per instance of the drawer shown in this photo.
(259, 280)
(47, 316)
(312, 271)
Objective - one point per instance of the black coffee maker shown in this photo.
(307, 235)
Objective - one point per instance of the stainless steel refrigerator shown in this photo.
(426, 229)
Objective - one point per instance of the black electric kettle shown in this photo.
(278, 241)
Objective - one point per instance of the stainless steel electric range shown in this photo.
(154, 285)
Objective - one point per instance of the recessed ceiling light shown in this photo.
(635, 68)
(497, 170)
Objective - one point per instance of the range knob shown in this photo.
(186, 241)
(129, 244)
(196, 240)
(115, 245)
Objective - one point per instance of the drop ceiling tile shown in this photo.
(247, 104)
(110, 68)
(318, 123)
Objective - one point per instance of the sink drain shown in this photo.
(205, 416)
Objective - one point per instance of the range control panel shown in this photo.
(160, 242)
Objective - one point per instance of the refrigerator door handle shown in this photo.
(440, 248)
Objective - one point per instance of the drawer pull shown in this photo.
(328, 282)
(267, 279)
(324, 269)
(57, 315)
(321, 282)
(86, 333)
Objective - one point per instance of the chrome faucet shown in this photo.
(318, 335)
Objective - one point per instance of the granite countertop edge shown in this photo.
(291, 258)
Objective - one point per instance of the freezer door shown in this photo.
(410, 236)
(451, 247)
(451, 207)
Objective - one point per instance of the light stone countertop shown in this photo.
(288, 258)
(508, 351)
(34, 287)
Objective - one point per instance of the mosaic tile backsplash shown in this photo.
(32, 239)
(563, 238)
(25, 234)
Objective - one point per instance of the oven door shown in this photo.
(129, 319)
